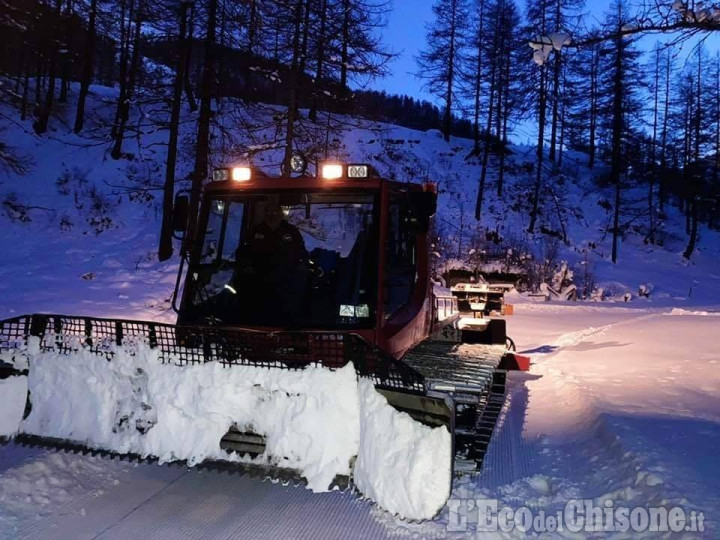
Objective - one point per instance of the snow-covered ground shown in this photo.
(620, 404)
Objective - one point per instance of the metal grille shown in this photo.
(181, 346)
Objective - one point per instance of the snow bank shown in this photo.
(13, 392)
(316, 421)
(402, 465)
(31, 488)
(697, 313)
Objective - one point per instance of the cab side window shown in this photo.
(401, 258)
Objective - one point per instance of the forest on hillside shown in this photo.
(653, 117)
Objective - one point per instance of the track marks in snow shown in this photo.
(577, 338)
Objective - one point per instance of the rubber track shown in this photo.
(472, 367)
(455, 363)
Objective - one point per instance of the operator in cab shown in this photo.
(279, 260)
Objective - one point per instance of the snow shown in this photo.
(559, 40)
(34, 484)
(402, 465)
(697, 313)
(315, 420)
(309, 417)
(13, 391)
(620, 403)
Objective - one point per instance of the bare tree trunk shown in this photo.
(478, 80)
(124, 106)
(716, 163)
(712, 221)
(302, 62)
(506, 114)
(291, 110)
(124, 52)
(557, 67)
(698, 108)
(42, 123)
(87, 69)
(617, 164)
(317, 87)
(694, 227)
(192, 104)
(542, 111)
(165, 249)
(663, 145)
(695, 179)
(345, 38)
(66, 64)
(20, 67)
(202, 148)
(656, 92)
(500, 101)
(562, 126)
(653, 149)
(252, 30)
(542, 108)
(26, 85)
(220, 53)
(486, 146)
(447, 116)
(593, 107)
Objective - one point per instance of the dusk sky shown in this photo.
(405, 35)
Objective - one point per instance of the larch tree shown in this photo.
(439, 62)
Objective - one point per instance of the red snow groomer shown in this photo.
(282, 274)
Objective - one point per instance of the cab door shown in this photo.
(405, 297)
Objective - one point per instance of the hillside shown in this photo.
(619, 403)
(80, 229)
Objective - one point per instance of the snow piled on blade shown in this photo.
(12, 404)
(414, 460)
(136, 404)
(315, 420)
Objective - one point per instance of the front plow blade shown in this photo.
(312, 408)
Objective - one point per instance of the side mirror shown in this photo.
(422, 207)
(180, 212)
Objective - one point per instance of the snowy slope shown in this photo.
(79, 231)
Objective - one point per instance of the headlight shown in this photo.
(298, 163)
(357, 171)
(220, 175)
(332, 171)
(241, 174)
